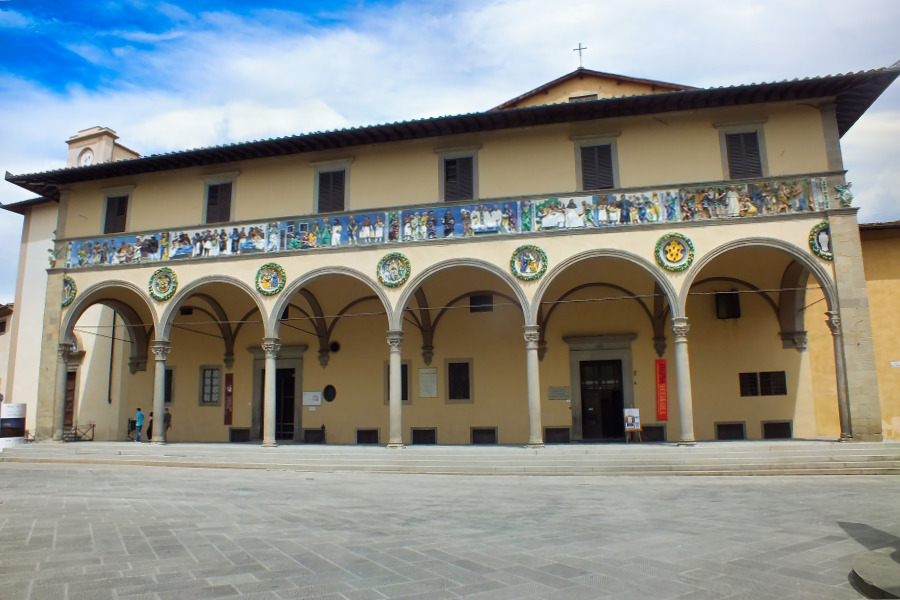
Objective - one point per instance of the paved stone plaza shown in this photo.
(138, 532)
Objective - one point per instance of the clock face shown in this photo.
(86, 158)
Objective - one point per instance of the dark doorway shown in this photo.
(284, 403)
(69, 420)
(602, 400)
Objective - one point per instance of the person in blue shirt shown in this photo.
(138, 424)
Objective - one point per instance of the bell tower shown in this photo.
(96, 145)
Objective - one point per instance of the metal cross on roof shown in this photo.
(578, 50)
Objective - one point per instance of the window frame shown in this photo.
(202, 386)
(447, 363)
(773, 387)
(756, 126)
(220, 179)
(588, 141)
(331, 166)
(445, 154)
(117, 192)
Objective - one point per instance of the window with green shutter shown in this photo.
(597, 167)
(459, 179)
(744, 160)
(331, 191)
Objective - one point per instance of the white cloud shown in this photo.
(12, 19)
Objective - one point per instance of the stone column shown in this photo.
(532, 342)
(62, 369)
(160, 349)
(683, 376)
(834, 324)
(271, 346)
(860, 375)
(395, 341)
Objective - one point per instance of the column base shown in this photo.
(687, 443)
(269, 445)
(395, 445)
(539, 444)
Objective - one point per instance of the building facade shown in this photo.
(518, 276)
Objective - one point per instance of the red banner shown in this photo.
(229, 398)
(662, 391)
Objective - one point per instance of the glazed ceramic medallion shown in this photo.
(674, 252)
(528, 262)
(69, 290)
(163, 284)
(270, 279)
(393, 269)
(820, 241)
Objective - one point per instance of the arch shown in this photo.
(294, 286)
(798, 254)
(138, 331)
(414, 284)
(185, 293)
(661, 280)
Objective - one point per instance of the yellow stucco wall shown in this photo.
(665, 150)
(604, 87)
(883, 282)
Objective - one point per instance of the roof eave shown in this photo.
(852, 93)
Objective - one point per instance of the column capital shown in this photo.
(532, 335)
(834, 322)
(395, 340)
(680, 328)
(160, 349)
(271, 346)
(63, 351)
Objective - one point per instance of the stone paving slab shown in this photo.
(140, 532)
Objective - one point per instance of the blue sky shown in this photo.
(183, 74)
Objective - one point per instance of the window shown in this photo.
(743, 155)
(404, 382)
(743, 145)
(777, 430)
(749, 384)
(170, 376)
(367, 436)
(484, 435)
(731, 431)
(459, 380)
(767, 383)
(458, 179)
(481, 303)
(332, 185)
(773, 383)
(218, 202)
(2, 327)
(583, 98)
(595, 157)
(210, 386)
(331, 191)
(596, 167)
(424, 435)
(458, 173)
(116, 213)
(728, 305)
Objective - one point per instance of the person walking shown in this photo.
(150, 428)
(138, 424)
(167, 424)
